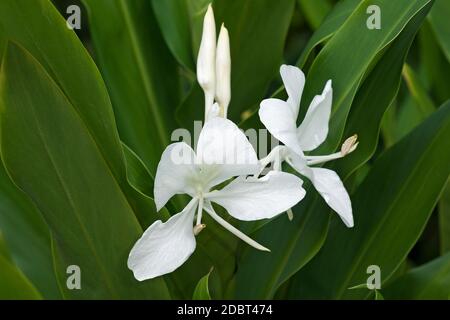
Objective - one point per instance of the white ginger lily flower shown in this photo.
(280, 118)
(223, 152)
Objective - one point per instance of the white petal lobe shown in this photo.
(164, 246)
(225, 150)
(251, 199)
(314, 129)
(294, 82)
(330, 186)
(175, 173)
(278, 117)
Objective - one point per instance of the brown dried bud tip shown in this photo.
(198, 228)
(349, 145)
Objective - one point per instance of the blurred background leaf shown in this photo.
(430, 281)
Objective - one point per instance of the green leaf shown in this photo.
(378, 295)
(418, 91)
(367, 113)
(138, 175)
(40, 29)
(175, 24)
(14, 285)
(340, 13)
(257, 34)
(298, 241)
(387, 222)
(314, 11)
(433, 65)
(139, 71)
(430, 281)
(68, 179)
(439, 22)
(333, 61)
(201, 291)
(27, 235)
(444, 219)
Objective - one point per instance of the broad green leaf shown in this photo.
(201, 291)
(434, 66)
(430, 281)
(68, 179)
(314, 11)
(175, 24)
(138, 174)
(439, 22)
(367, 113)
(391, 208)
(4, 252)
(139, 71)
(334, 62)
(418, 91)
(27, 236)
(444, 219)
(415, 107)
(14, 285)
(257, 34)
(340, 13)
(40, 29)
(298, 241)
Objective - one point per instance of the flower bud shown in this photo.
(223, 71)
(206, 60)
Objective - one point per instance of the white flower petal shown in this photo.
(278, 117)
(251, 199)
(330, 186)
(224, 151)
(175, 174)
(294, 82)
(314, 128)
(164, 246)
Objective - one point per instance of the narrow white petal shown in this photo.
(278, 117)
(175, 173)
(251, 199)
(330, 186)
(224, 151)
(294, 82)
(314, 128)
(208, 208)
(164, 246)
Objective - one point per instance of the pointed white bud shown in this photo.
(206, 60)
(223, 71)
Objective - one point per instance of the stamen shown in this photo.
(349, 145)
(290, 214)
(198, 228)
(232, 229)
(200, 211)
